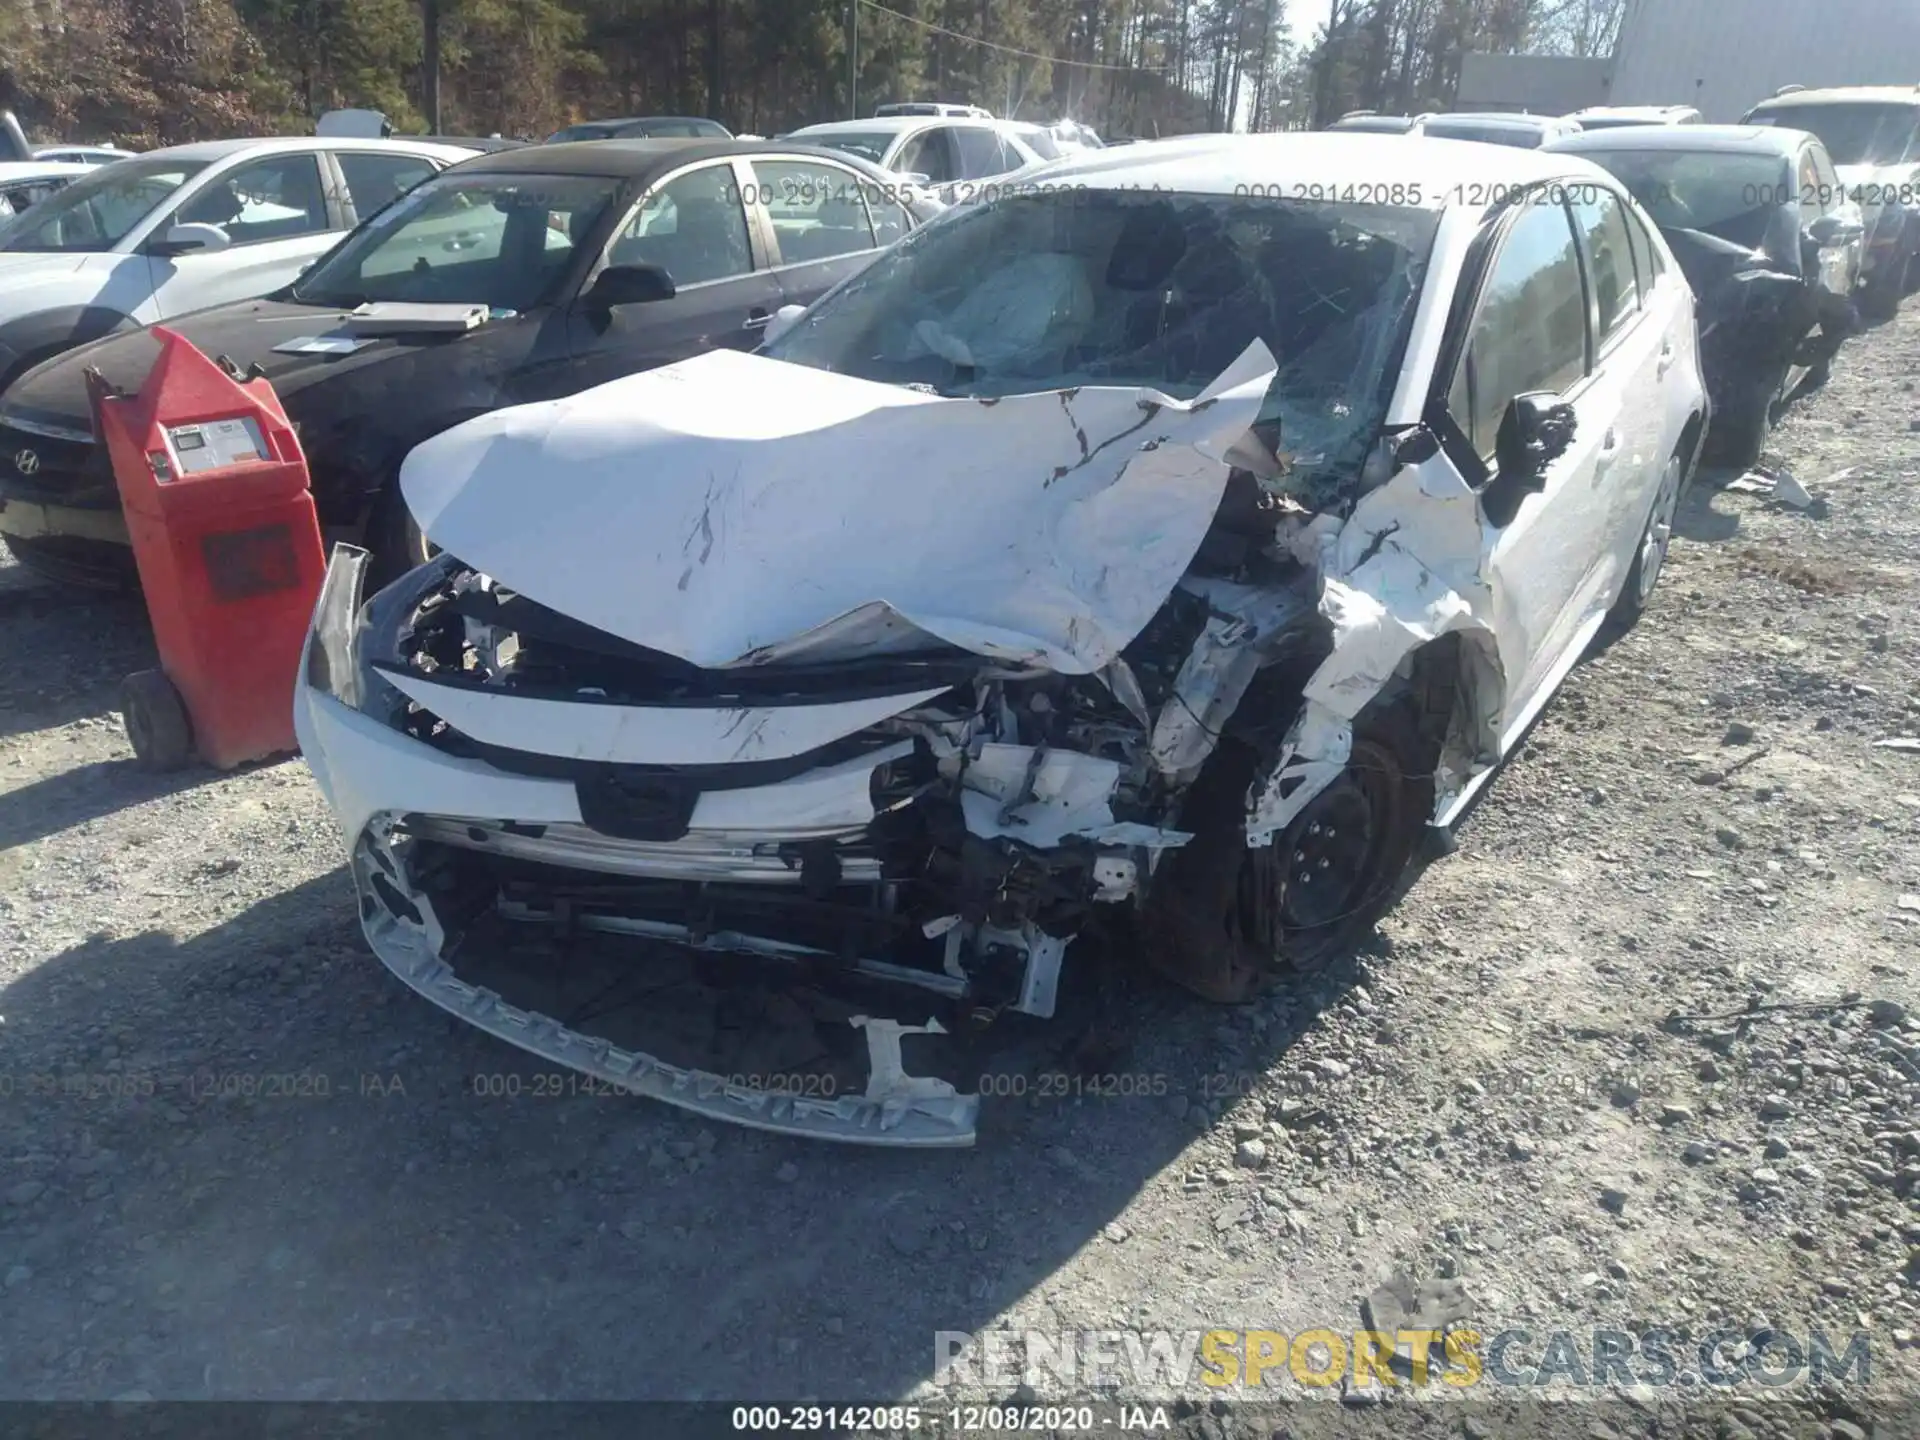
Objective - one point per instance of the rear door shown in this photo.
(370, 181)
(694, 224)
(277, 214)
(1529, 333)
(1636, 343)
(823, 222)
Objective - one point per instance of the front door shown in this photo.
(1528, 335)
(694, 225)
(275, 215)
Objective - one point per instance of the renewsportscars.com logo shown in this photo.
(1155, 1362)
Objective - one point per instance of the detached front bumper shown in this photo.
(791, 881)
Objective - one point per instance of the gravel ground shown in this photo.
(1638, 1054)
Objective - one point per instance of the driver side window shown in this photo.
(1530, 332)
(930, 153)
(693, 227)
(278, 198)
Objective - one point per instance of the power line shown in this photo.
(1009, 49)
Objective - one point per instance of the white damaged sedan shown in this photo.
(1167, 542)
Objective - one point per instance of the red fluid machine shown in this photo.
(214, 485)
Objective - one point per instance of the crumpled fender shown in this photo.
(1384, 602)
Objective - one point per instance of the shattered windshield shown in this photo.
(503, 241)
(98, 211)
(1725, 194)
(1854, 133)
(1098, 287)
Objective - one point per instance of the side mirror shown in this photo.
(783, 320)
(183, 239)
(1535, 431)
(917, 177)
(1831, 229)
(630, 285)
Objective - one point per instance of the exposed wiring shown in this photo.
(1010, 49)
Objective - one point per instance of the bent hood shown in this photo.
(735, 509)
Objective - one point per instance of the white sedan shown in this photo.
(25, 183)
(179, 229)
(1174, 539)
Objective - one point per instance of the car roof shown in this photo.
(638, 119)
(1846, 94)
(635, 159)
(211, 151)
(892, 122)
(1622, 112)
(1295, 162)
(11, 170)
(1494, 117)
(1712, 139)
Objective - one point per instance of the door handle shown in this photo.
(756, 319)
(1666, 358)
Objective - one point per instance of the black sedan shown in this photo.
(579, 262)
(1765, 234)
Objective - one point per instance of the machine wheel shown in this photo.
(156, 719)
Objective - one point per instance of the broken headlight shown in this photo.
(332, 668)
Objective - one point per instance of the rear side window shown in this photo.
(890, 217)
(1530, 332)
(1603, 223)
(984, 152)
(817, 210)
(375, 181)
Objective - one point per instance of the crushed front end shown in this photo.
(855, 865)
(787, 891)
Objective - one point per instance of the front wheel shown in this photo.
(1879, 299)
(1224, 919)
(1650, 555)
(395, 539)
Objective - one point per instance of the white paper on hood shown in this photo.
(721, 508)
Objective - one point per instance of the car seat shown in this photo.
(709, 242)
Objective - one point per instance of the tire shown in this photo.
(1737, 435)
(156, 720)
(1879, 300)
(395, 539)
(1225, 921)
(1650, 554)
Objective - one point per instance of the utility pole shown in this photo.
(430, 63)
(853, 59)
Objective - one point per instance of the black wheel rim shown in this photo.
(1324, 870)
(1326, 860)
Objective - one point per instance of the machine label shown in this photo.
(216, 444)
